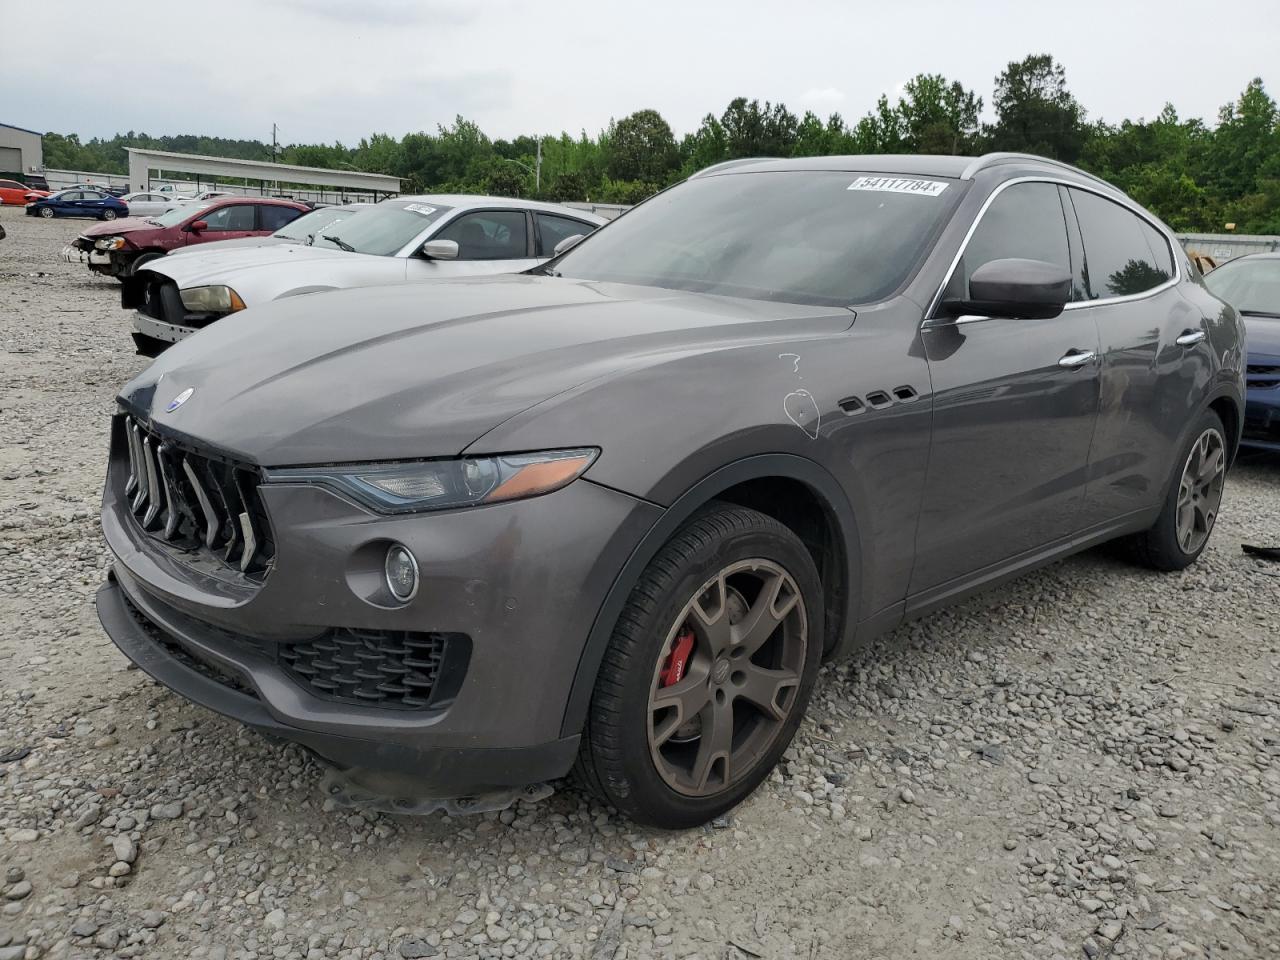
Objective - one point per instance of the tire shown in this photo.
(47, 212)
(1167, 545)
(139, 262)
(108, 214)
(675, 767)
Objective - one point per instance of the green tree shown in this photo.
(1035, 112)
(642, 147)
(937, 116)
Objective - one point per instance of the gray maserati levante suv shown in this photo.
(615, 511)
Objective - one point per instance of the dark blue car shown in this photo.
(79, 203)
(1252, 285)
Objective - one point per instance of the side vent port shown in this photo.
(877, 399)
(905, 394)
(852, 405)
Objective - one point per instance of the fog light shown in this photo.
(402, 573)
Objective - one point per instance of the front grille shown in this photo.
(201, 504)
(157, 297)
(1262, 376)
(374, 668)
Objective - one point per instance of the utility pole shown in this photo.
(537, 174)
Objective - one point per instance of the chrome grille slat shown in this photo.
(170, 496)
(136, 439)
(250, 542)
(211, 522)
(132, 483)
(153, 484)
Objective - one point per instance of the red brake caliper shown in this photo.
(677, 659)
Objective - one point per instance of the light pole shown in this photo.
(537, 173)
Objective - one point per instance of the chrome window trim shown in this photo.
(1119, 199)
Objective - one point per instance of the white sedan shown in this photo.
(403, 240)
(148, 204)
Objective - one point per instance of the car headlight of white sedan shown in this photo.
(212, 299)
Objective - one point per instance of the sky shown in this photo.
(327, 70)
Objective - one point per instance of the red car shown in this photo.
(120, 247)
(11, 191)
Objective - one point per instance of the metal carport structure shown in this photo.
(223, 169)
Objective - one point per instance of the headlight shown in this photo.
(216, 299)
(109, 243)
(441, 484)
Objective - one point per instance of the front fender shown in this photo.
(806, 471)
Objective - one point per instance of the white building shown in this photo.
(21, 151)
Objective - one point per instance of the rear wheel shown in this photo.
(108, 214)
(1190, 510)
(708, 672)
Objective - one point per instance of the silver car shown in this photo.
(145, 204)
(404, 240)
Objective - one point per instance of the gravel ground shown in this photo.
(1085, 762)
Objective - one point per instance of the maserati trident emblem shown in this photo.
(180, 399)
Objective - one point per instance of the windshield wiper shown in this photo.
(1259, 313)
(339, 242)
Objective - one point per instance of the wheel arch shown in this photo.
(794, 490)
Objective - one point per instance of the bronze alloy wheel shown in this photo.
(728, 677)
(1200, 490)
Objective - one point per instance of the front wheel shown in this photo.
(1190, 510)
(708, 671)
(46, 212)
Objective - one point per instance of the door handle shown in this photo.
(1190, 338)
(1076, 358)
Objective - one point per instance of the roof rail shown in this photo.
(727, 165)
(992, 159)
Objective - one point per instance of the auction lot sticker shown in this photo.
(923, 188)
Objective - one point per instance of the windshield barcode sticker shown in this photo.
(421, 208)
(923, 188)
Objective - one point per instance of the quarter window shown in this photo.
(1024, 221)
(553, 229)
(1123, 254)
(489, 235)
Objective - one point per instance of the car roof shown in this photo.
(460, 200)
(216, 202)
(910, 164)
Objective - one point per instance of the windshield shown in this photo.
(1251, 286)
(812, 237)
(385, 229)
(171, 218)
(310, 224)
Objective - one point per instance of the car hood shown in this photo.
(1262, 336)
(421, 370)
(219, 265)
(221, 247)
(116, 228)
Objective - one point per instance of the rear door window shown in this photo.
(1024, 221)
(489, 235)
(553, 229)
(271, 217)
(1124, 254)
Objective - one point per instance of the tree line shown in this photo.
(1194, 176)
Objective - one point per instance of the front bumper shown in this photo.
(99, 261)
(147, 326)
(1262, 403)
(522, 580)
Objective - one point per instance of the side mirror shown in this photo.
(440, 250)
(1031, 289)
(198, 225)
(567, 243)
